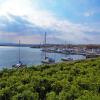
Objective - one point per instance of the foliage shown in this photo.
(77, 80)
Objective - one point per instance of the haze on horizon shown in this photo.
(73, 21)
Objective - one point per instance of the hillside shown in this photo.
(78, 80)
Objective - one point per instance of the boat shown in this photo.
(67, 59)
(66, 51)
(19, 64)
(46, 60)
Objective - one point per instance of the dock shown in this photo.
(92, 55)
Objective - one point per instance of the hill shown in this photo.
(78, 80)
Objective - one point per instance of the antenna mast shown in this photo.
(45, 44)
(19, 51)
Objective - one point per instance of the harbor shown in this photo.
(45, 54)
(29, 56)
(88, 50)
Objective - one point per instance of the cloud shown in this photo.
(87, 14)
(18, 25)
(92, 12)
(22, 19)
(57, 30)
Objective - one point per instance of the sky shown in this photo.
(73, 21)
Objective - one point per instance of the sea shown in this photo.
(29, 56)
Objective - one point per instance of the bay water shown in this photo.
(29, 56)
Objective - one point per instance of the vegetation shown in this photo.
(78, 80)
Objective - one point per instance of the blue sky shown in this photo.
(74, 21)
